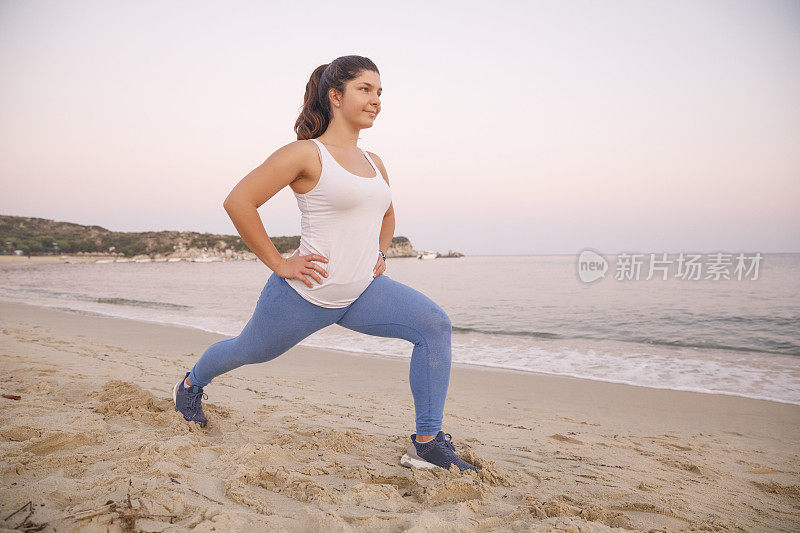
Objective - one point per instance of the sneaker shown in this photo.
(189, 401)
(438, 451)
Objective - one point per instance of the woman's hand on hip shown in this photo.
(380, 267)
(301, 267)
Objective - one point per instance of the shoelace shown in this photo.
(458, 460)
(193, 399)
(448, 445)
(447, 441)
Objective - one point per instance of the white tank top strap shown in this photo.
(371, 162)
(320, 148)
(323, 149)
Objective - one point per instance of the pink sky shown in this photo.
(538, 127)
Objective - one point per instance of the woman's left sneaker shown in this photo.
(189, 401)
(438, 451)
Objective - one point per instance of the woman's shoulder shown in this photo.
(300, 159)
(303, 152)
(299, 147)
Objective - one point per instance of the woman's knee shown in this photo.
(443, 323)
(437, 321)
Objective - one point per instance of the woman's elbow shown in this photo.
(231, 201)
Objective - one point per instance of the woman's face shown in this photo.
(362, 102)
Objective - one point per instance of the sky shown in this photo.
(506, 128)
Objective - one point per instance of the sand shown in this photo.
(311, 441)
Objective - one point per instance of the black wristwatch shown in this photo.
(382, 255)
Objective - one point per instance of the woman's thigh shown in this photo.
(388, 308)
(282, 318)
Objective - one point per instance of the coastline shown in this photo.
(372, 354)
(91, 258)
(6, 258)
(315, 436)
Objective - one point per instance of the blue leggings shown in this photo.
(386, 308)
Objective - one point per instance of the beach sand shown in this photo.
(311, 441)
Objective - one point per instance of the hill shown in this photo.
(42, 236)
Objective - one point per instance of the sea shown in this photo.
(734, 335)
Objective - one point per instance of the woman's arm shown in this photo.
(387, 230)
(280, 169)
(387, 227)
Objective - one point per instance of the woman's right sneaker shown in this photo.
(438, 451)
(189, 401)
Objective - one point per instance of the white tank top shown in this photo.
(341, 219)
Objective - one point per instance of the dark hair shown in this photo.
(317, 113)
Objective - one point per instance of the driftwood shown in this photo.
(126, 512)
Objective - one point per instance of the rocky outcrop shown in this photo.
(450, 253)
(400, 247)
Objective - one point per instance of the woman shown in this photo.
(335, 276)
